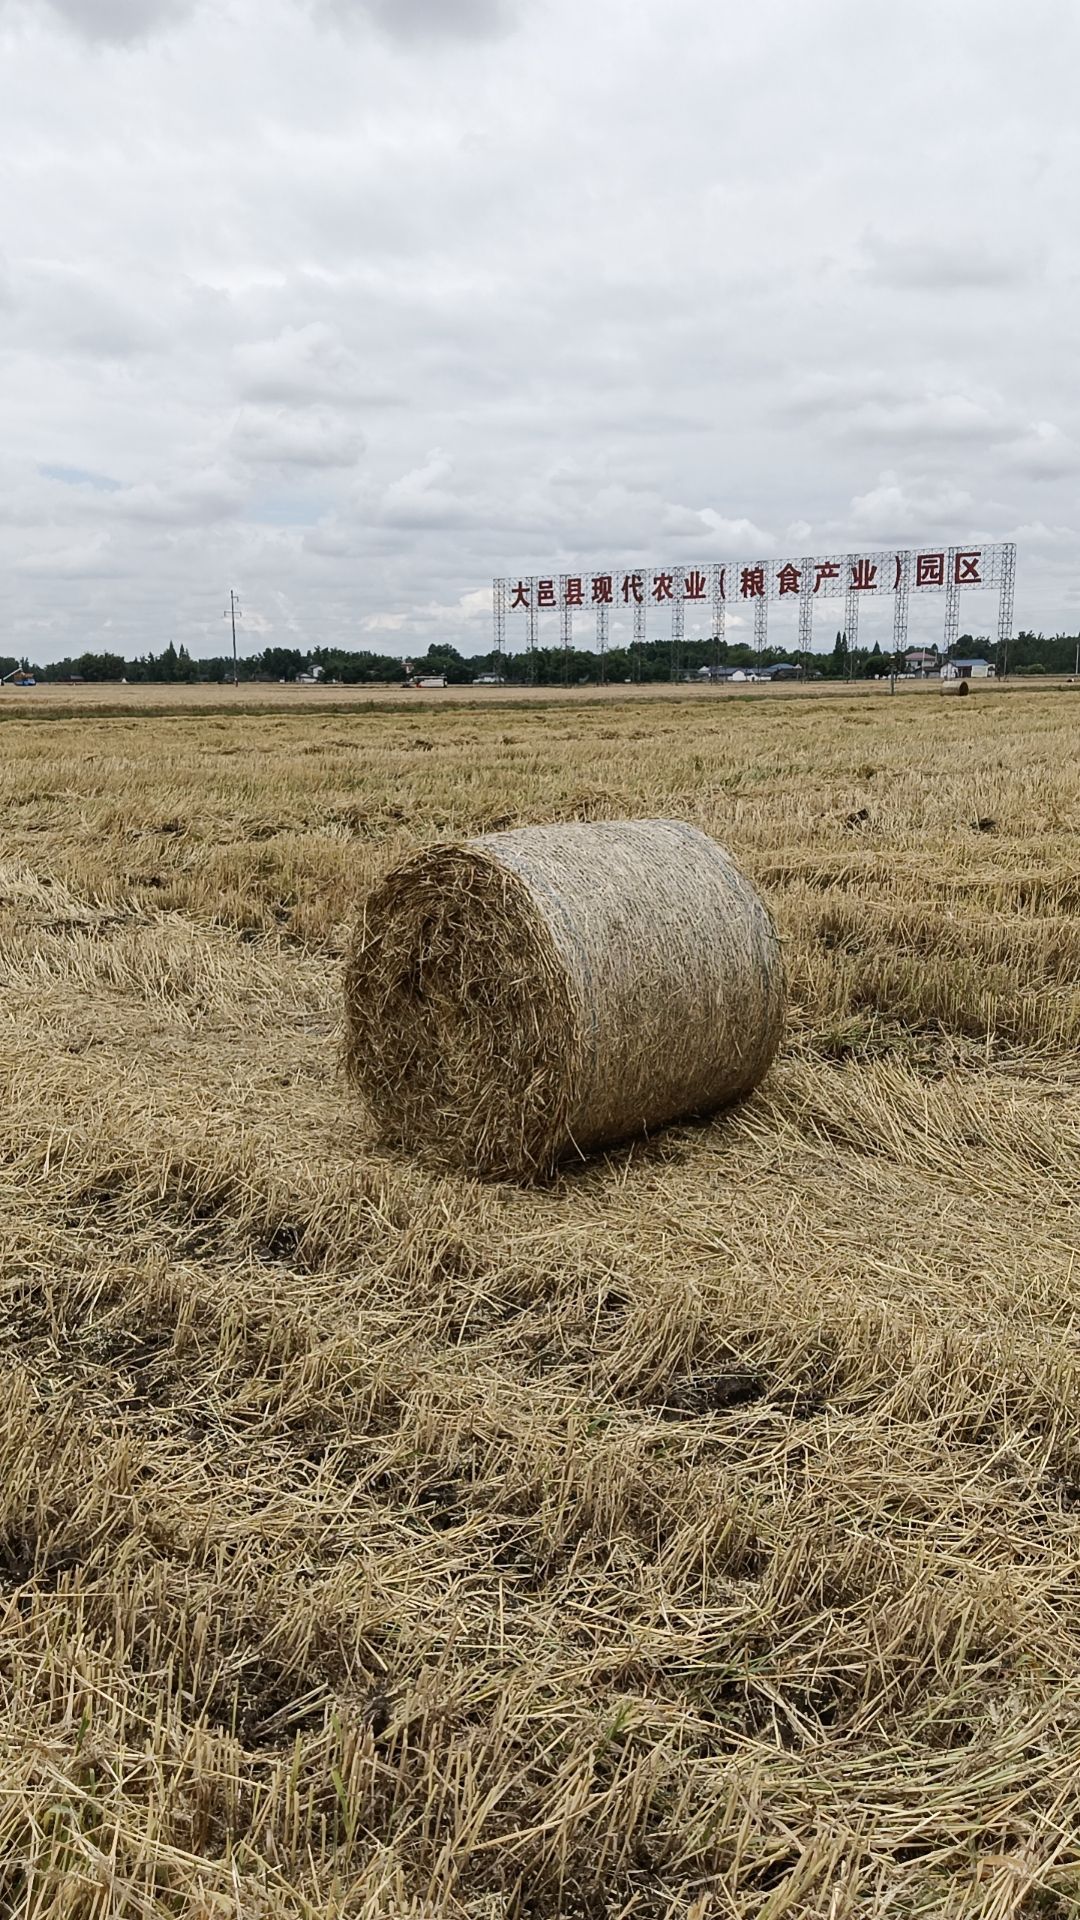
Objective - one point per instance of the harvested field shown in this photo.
(698, 1536)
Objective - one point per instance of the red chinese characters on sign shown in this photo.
(941, 570)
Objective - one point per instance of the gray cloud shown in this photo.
(422, 19)
(960, 263)
(121, 22)
(354, 305)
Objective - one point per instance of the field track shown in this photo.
(698, 1536)
(156, 701)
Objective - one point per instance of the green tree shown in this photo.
(443, 658)
(835, 664)
(283, 663)
(99, 666)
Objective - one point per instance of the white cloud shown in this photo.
(197, 498)
(299, 365)
(355, 303)
(899, 511)
(278, 436)
(1044, 453)
(425, 497)
(713, 534)
(953, 418)
(89, 559)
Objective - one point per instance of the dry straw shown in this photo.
(538, 993)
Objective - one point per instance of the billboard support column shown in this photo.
(533, 624)
(639, 628)
(499, 622)
(678, 620)
(901, 604)
(602, 638)
(806, 618)
(717, 575)
(851, 616)
(761, 626)
(1005, 606)
(952, 603)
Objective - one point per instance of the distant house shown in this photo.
(920, 660)
(784, 670)
(715, 673)
(310, 677)
(966, 670)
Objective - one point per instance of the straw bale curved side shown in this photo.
(553, 989)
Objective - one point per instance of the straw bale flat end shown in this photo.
(534, 994)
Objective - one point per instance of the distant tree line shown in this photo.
(1029, 653)
(175, 665)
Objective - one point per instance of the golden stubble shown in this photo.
(697, 1534)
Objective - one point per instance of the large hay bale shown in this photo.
(957, 688)
(545, 991)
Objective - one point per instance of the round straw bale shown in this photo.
(956, 687)
(545, 991)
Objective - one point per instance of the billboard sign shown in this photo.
(716, 586)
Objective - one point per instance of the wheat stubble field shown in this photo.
(698, 1536)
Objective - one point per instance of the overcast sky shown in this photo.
(351, 304)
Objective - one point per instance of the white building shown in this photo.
(920, 660)
(967, 670)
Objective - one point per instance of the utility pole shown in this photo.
(231, 612)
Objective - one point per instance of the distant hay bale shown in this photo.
(956, 687)
(537, 993)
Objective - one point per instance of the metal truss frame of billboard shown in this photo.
(756, 585)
